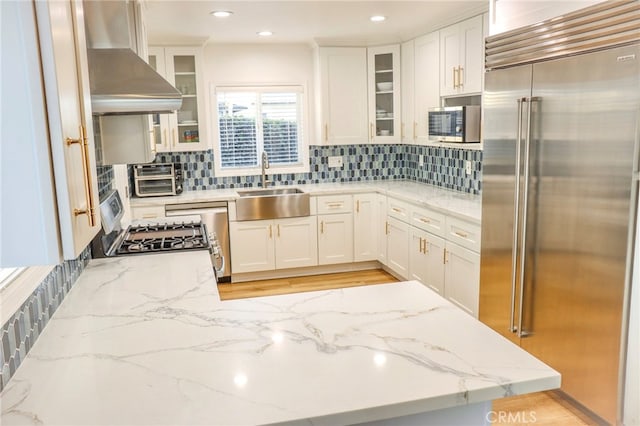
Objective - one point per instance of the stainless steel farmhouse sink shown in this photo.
(272, 204)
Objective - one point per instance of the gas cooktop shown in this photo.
(163, 237)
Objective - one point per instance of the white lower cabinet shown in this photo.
(398, 247)
(252, 246)
(335, 238)
(296, 242)
(148, 212)
(365, 225)
(462, 277)
(264, 245)
(380, 229)
(426, 259)
(414, 251)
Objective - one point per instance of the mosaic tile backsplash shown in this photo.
(20, 332)
(439, 166)
(23, 328)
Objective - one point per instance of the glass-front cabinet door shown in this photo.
(182, 130)
(384, 93)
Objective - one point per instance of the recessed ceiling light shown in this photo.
(221, 13)
(377, 18)
(265, 33)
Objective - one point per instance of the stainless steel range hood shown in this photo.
(121, 82)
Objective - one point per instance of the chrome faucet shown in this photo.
(265, 166)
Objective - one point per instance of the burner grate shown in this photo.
(164, 237)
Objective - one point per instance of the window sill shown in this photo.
(256, 171)
(15, 292)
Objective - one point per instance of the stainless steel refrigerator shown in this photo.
(560, 185)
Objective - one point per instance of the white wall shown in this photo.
(236, 64)
(505, 15)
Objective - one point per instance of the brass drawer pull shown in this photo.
(461, 234)
(423, 220)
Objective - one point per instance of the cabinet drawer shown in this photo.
(428, 220)
(463, 233)
(398, 209)
(149, 212)
(329, 204)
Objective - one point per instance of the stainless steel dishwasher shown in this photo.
(215, 216)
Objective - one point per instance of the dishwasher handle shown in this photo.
(194, 212)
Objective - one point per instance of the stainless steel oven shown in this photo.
(214, 215)
(144, 237)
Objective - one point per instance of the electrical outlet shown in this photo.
(467, 167)
(335, 162)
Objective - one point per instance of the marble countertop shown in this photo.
(143, 340)
(462, 205)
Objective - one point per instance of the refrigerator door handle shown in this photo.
(525, 205)
(516, 219)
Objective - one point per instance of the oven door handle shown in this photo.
(220, 270)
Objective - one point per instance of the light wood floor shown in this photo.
(541, 408)
(302, 284)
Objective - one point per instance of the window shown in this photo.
(255, 119)
(8, 274)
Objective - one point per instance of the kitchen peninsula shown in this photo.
(146, 340)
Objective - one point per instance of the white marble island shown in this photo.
(144, 340)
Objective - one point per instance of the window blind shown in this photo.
(252, 121)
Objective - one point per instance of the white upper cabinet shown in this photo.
(184, 130)
(52, 113)
(461, 58)
(384, 94)
(407, 127)
(420, 85)
(343, 93)
(427, 82)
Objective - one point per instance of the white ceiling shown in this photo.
(321, 22)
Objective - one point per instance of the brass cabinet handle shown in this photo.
(357, 206)
(270, 232)
(90, 211)
(396, 210)
(426, 247)
(326, 132)
(461, 234)
(420, 246)
(386, 228)
(455, 81)
(322, 226)
(444, 258)
(278, 230)
(424, 220)
(460, 77)
(175, 137)
(415, 125)
(335, 205)
(371, 131)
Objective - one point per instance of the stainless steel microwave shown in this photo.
(460, 124)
